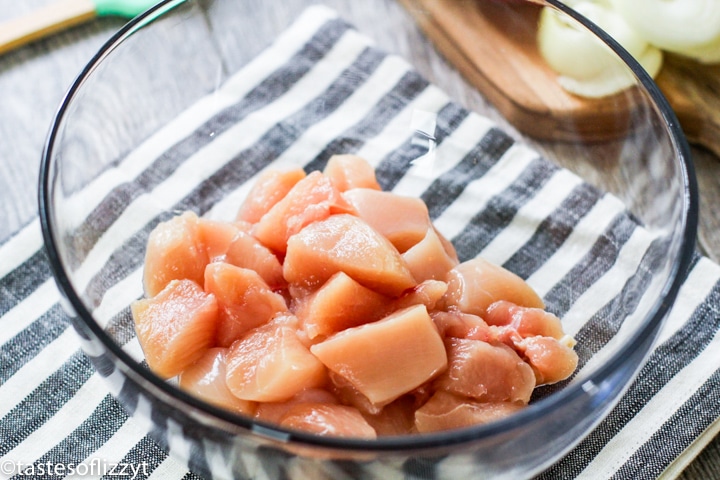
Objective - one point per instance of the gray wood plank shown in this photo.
(33, 80)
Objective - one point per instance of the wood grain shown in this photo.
(705, 466)
(494, 45)
(33, 79)
(708, 176)
(44, 21)
(693, 91)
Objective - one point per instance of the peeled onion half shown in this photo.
(586, 66)
(688, 27)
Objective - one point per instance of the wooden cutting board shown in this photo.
(493, 44)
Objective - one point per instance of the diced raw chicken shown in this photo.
(340, 303)
(486, 372)
(526, 321)
(427, 293)
(396, 418)
(447, 245)
(274, 411)
(445, 411)
(349, 395)
(345, 243)
(243, 226)
(328, 419)
(402, 220)
(428, 260)
(246, 251)
(175, 251)
(244, 300)
(461, 325)
(476, 284)
(421, 394)
(350, 171)
(312, 199)
(388, 358)
(386, 333)
(551, 359)
(206, 380)
(269, 188)
(216, 236)
(175, 327)
(270, 364)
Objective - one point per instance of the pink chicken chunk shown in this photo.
(329, 306)
(345, 243)
(386, 359)
(176, 326)
(402, 220)
(244, 300)
(312, 199)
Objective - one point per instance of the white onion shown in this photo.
(674, 25)
(587, 66)
(707, 53)
(611, 80)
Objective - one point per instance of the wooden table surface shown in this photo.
(34, 78)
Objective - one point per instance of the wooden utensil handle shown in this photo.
(44, 21)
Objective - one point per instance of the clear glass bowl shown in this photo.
(165, 118)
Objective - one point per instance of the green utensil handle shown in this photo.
(124, 8)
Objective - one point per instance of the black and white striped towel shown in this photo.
(54, 407)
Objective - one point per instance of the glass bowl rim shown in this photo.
(407, 443)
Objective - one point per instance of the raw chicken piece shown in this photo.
(486, 372)
(345, 243)
(328, 419)
(445, 411)
(476, 284)
(312, 199)
(246, 251)
(270, 364)
(175, 251)
(274, 411)
(339, 304)
(206, 379)
(350, 171)
(396, 418)
(349, 395)
(244, 300)
(243, 226)
(388, 358)
(427, 259)
(388, 332)
(462, 325)
(427, 293)
(216, 236)
(526, 321)
(269, 188)
(447, 245)
(175, 327)
(551, 360)
(402, 220)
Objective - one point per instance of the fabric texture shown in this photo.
(321, 89)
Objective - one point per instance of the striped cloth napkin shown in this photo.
(55, 408)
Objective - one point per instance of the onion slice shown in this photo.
(707, 53)
(675, 25)
(610, 81)
(586, 66)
